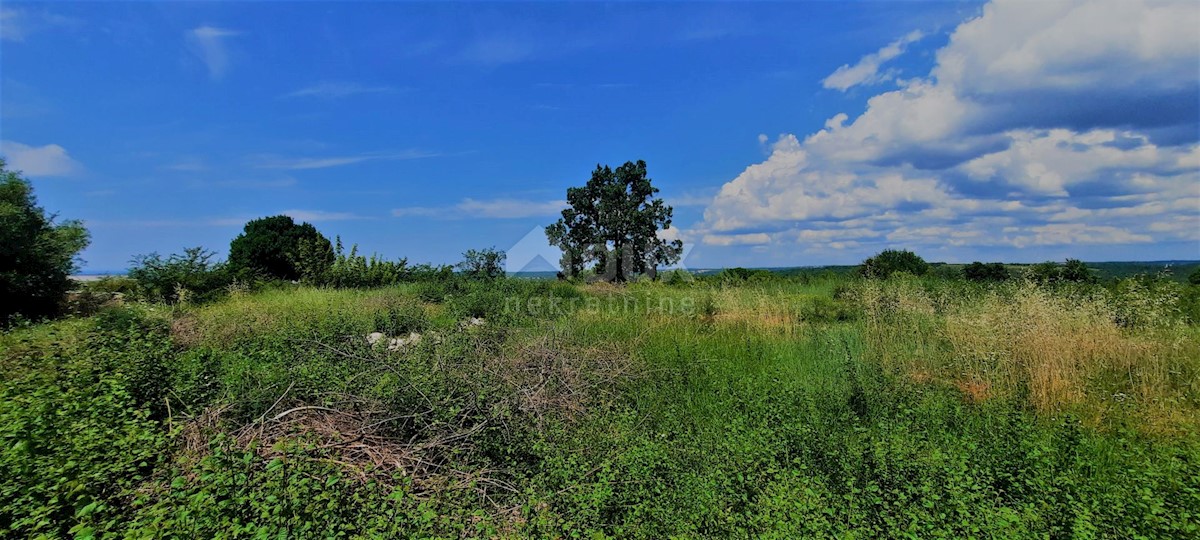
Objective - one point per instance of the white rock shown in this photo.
(375, 337)
(395, 344)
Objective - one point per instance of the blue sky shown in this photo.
(783, 133)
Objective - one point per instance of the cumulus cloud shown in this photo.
(48, 160)
(866, 71)
(495, 208)
(208, 44)
(1041, 124)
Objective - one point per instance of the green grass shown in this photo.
(772, 409)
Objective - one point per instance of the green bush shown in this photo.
(981, 272)
(180, 278)
(1072, 271)
(36, 255)
(891, 261)
(277, 248)
(482, 264)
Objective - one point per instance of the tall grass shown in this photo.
(1091, 351)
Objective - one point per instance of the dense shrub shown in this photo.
(351, 270)
(276, 247)
(891, 261)
(36, 255)
(1072, 271)
(191, 276)
(78, 433)
(978, 271)
(742, 275)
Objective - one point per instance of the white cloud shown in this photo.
(495, 208)
(1041, 124)
(48, 160)
(749, 239)
(334, 90)
(18, 24)
(866, 71)
(303, 163)
(208, 44)
(317, 216)
(10, 25)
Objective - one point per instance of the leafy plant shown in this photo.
(613, 221)
(482, 264)
(276, 247)
(192, 274)
(891, 261)
(982, 272)
(36, 254)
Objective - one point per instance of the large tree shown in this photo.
(613, 221)
(36, 255)
(276, 247)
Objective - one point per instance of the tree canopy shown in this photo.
(891, 261)
(37, 256)
(978, 271)
(613, 221)
(1071, 271)
(276, 247)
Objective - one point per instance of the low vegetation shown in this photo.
(743, 404)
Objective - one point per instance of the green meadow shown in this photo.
(723, 407)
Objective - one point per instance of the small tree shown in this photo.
(483, 264)
(276, 247)
(37, 256)
(613, 221)
(890, 261)
(978, 271)
(1075, 271)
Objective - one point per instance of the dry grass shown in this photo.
(1059, 352)
(533, 381)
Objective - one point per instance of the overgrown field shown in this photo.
(785, 408)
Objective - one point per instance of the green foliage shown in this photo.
(606, 421)
(741, 275)
(191, 276)
(982, 272)
(891, 261)
(36, 254)
(484, 264)
(1072, 271)
(1194, 277)
(351, 270)
(678, 277)
(276, 247)
(77, 428)
(613, 221)
(821, 309)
